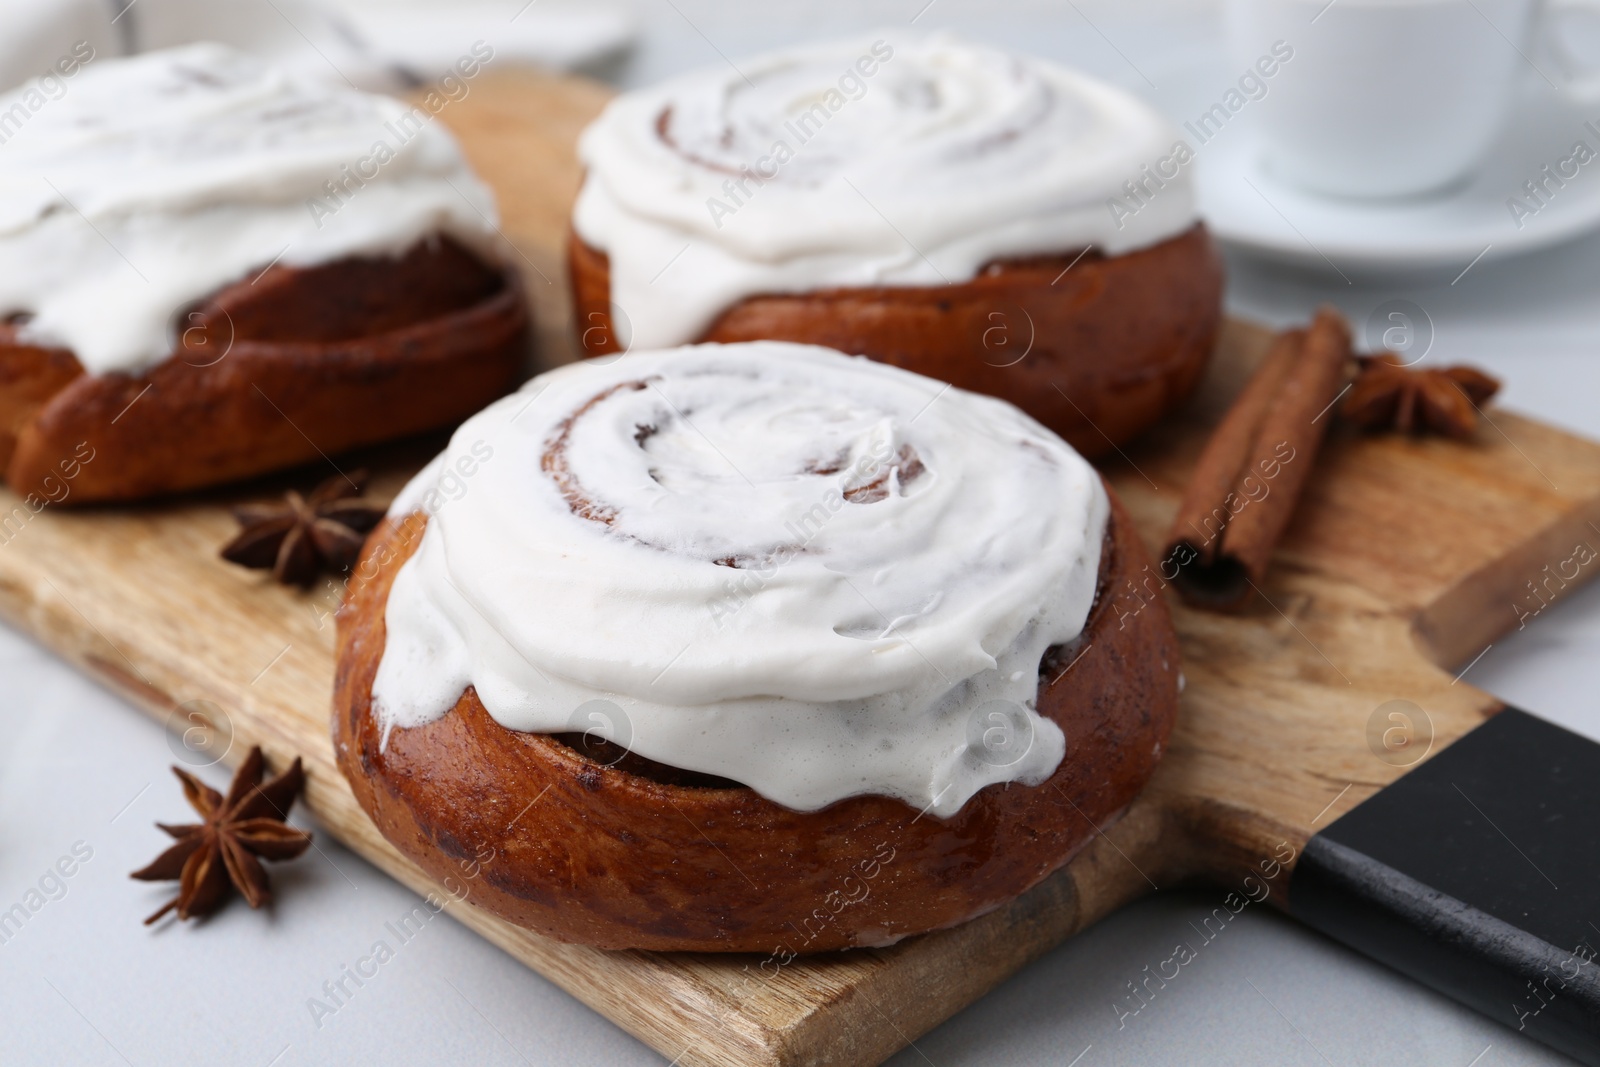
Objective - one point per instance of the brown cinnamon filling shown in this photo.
(603, 753)
(554, 462)
(906, 467)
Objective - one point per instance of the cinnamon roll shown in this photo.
(677, 649)
(211, 268)
(988, 219)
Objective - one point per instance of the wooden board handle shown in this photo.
(1478, 874)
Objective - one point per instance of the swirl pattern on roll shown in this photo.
(895, 161)
(802, 571)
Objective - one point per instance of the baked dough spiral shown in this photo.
(906, 160)
(159, 179)
(808, 573)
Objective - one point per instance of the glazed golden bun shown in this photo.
(1095, 347)
(601, 847)
(268, 374)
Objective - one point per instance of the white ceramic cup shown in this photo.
(1393, 98)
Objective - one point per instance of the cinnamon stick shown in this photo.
(1250, 475)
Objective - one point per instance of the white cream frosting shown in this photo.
(903, 553)
(154, 181)
(945, 157)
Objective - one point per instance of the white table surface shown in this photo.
(84, 983)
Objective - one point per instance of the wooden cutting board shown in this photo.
(1405, 561)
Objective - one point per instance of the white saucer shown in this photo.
(1245, 205)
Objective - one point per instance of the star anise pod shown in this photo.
(1387, 394)
(307, 535)
(238, 828)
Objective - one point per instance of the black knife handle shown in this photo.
(1478, 874)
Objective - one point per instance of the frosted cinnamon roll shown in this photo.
(807, 600)
(990, 219)
(271, 267)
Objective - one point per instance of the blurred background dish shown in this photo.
(427, 35)
(371, 44)
(1252, 207)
